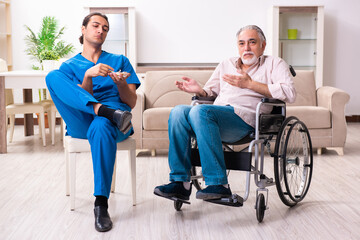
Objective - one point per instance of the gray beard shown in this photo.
(251, 61)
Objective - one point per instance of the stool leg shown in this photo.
(114, 177)
(132, 164)
(72, 180)
(62, 129)
(67, 187)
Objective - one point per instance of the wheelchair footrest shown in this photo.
(179, 200)
(233, 201)
(175, 199)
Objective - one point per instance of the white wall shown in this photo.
(178, 31)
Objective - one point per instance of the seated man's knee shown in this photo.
(199, 112)
(179, 111)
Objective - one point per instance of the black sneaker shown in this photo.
(214, 192)
(122, 119)
(173, 189)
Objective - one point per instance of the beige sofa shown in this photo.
(156, 97)
(322, 110)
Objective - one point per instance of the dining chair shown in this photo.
(25, 108)
(75, 146)
(22, 108)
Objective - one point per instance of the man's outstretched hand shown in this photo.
(189, 85)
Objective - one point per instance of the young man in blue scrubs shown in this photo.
(94, 92)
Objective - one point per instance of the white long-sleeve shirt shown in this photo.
(269, 70)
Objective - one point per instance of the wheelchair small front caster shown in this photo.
(178, 205)
(260, 207)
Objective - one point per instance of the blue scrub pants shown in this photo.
(211, 125)
(75, 107)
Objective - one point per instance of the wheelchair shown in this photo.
(292, 155)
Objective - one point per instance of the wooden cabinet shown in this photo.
(303, 50)
(121, 38)
(5, 32)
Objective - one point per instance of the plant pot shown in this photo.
(49, 65)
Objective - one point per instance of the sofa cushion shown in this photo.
(161, 91)
(313, 117)
(304, 84)
(156, 118)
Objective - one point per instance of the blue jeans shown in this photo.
(211, 125)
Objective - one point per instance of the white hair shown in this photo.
(253, 27)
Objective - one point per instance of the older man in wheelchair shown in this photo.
(237, 86)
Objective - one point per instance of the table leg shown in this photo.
(28, 118)
(3, 118)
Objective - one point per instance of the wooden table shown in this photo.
(25, 80)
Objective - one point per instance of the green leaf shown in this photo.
(46, 44)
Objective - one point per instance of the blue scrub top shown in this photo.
(105, 90)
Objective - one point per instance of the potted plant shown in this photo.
(46, 45)
(49, 59)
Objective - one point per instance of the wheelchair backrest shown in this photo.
(270, 123)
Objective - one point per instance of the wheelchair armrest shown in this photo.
(202, 100)
(272, 100)
(212, 98)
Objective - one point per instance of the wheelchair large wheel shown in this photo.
(299, 161)
(198, 179)
(293, 161)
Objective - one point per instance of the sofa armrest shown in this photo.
(334, 99)
(137, 115)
